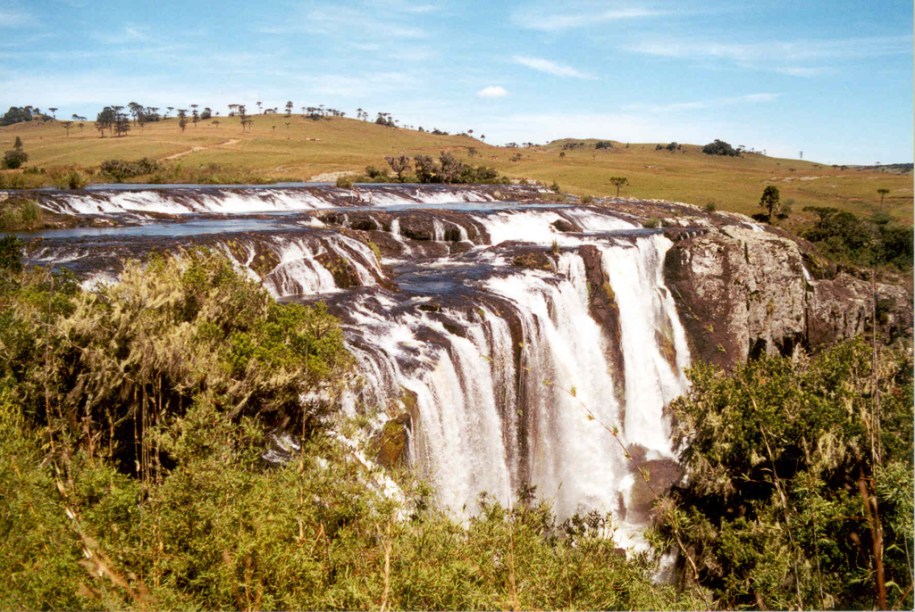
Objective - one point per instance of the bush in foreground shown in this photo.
(800, 490)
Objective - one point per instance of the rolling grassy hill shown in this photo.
(300, 149)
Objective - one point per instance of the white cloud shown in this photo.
(551, 67)
(625, 127)
(673, 107)
(127, 34)
(9, 19)
(784, 57)
(536, 20)
(492, 91)
(349, 23)
(403, 6)
(800, 71)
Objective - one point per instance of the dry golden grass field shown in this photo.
(301, 149)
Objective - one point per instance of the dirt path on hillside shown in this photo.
(197, 149)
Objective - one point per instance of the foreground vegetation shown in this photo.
(133, 423)
(800, 482)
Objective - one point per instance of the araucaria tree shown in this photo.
(105, 120)
(121, 121)
(882, 191)
(15, 157)
(619, 181)
(770, 201)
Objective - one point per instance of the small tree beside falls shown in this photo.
(400, 165)
(771, 202)
(618, 182)
(800, 492)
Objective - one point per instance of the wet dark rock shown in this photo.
(417, 227)
(651, 479)
(604, 309)
(430, 307)
(565, 226)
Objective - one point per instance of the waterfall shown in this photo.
(530, 346)
(488, 418)
(569, 392)
(653, 340)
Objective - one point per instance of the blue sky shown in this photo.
(830, 78)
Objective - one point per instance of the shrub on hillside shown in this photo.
(119, 169)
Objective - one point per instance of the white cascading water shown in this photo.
(650, 326)
(472, 410)
(574, 461)
(299, 272)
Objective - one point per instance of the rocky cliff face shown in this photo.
(743, 291)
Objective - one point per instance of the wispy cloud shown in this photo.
(404, 6)
(550, 67)
(537, 20)
(625, 126)
(803, 58)
(755, 98)
(348, 22)
(127, 34)
(358, 85)
(11, 19)
(492, 91)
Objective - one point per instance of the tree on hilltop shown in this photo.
(16, 115)
(720, 147)
(136, 109)
(121, 121)
(105, 120)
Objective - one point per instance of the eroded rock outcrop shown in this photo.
(743, 291)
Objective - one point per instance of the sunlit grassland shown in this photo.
(298, 148)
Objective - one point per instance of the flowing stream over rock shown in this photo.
(516, 342)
